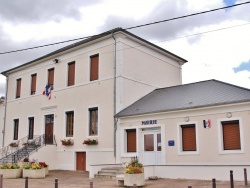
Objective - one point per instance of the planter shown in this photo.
(131, 179)
(46, 171)
(22, 163)
(11, 173)
(67, 143)
(34, 173)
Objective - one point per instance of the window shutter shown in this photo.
(18, 88)
(33, 84)
(188, 138)
(231, 135)
(131, 140)
(51, 76)
(71, 74)
(94, 66)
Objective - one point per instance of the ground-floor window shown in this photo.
(231, 135)
(16, 126)
(131, 140)
(69, 124)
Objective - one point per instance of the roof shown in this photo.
(188, 96)
(90, 39)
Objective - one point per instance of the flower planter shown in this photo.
(11, 173)
(131, 179)
(34, 173)
(46, 171)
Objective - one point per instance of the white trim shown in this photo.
(220, 136)
(179, 138)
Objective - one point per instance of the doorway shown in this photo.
(151, 147)
(81, 161)
(49, 126)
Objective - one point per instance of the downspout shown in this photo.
(115, 121)
(5, 107)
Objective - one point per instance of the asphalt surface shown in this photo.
(77, 179)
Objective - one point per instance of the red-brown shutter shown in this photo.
(33, 84)
(51, 76)
(188, 138)
(71, 74)
(231, 135)
(18, 87)
(131, 140)
(94, 66)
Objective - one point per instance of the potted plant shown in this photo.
(67, 142)
(13, 144)
(134, 173)
(11, 170)
(33, 170)
(90, 142)
(46, 167)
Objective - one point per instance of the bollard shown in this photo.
(231, 179)
(26, 182)
(189, 186)
(245, 176)
(1, 180)
(56, 183)
(91, 184)
(134, 186)
(213, 183)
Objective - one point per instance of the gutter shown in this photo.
(115, 119)
(5, 107)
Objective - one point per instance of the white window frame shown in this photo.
(179, 139)
(220, 136)
(124, 151)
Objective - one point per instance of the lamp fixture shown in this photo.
(56, 60)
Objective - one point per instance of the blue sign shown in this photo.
(171, 143)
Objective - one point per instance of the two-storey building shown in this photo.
(75, 92)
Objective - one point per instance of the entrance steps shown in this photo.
(110, 172)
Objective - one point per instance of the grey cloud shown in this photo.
(38, 11)
(171, 29)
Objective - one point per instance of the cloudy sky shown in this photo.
(215, 44)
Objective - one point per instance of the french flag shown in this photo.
(207, 123)
(47, 91)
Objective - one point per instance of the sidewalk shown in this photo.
(76, 179)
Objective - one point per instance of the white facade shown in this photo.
(132, 64)
(208, 160)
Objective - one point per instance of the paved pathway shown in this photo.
(76, 179)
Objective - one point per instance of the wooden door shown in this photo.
(49, 124)
(81, 161)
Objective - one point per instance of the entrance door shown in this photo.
(152, 153)
(49, 124)
(81, 161)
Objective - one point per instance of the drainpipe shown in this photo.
(5, 107)
(115, 121)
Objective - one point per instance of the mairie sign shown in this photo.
(149, 122)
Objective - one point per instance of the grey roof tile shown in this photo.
(188, 96)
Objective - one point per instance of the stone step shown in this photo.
(105, 176)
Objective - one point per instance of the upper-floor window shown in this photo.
(69, 124)
(51, 77)
(18, 87)
(93, 121)
(94, 67)
(33, 84)
(31, 128)
(71, 73)
(16, 126)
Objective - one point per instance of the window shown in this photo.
(18, 88)
(51, 77)
(94, 67)
(31, 128)
(131, 140)
(16, 126)
(33, 84)
(93, 121)
(231, 135)
(71, 74)
(69, 124)
(188, 137)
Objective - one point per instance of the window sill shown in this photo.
(188, 153)
(130, 154)
(224, 152)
